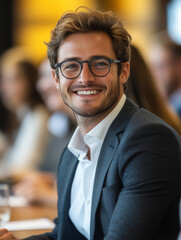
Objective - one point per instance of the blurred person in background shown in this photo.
(27, 138)
(165, 59)
(40, 186)
(175, 95)
(142, 89)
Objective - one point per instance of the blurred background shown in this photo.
(28, 23)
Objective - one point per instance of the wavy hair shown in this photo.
(90, 21)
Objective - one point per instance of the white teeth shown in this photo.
(89, 92)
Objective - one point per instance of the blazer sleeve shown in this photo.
(149, 168)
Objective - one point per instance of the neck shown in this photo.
(86, 124)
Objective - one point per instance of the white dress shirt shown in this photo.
(29, 143)
(83, 182)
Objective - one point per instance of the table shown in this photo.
(32, 212)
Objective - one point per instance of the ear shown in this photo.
(56, 80)
(125, 71)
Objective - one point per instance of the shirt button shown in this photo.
(88, 202)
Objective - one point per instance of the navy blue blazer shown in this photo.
(137, 183)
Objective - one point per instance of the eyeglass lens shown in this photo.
(72, 68)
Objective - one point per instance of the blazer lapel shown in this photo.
(108, 150)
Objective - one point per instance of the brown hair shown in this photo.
(141, 88)
(90, 21)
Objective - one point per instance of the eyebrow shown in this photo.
(79, 59)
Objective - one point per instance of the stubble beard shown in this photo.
(110, 102)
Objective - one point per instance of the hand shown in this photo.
(6, 235)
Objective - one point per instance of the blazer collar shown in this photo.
(109, 147)
(124, 116)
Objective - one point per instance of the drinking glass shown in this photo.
(4, 204)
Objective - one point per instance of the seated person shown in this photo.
(142, 89)
(26, 133)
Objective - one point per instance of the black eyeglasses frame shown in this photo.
(58, 65)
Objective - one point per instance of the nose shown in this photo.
(86, 76)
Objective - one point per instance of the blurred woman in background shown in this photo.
(27, 138)
(141, 88)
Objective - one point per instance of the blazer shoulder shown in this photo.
(145, 125)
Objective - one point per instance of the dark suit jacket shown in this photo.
(137, 183)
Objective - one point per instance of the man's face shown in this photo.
(88, 95)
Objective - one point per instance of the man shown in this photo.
(119, 178)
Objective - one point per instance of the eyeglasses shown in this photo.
(98, 66)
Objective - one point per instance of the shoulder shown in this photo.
(143, 119)
(150, 148)
(147, 132)
(137, 126)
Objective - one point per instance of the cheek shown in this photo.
(111, 80)
(64, 85)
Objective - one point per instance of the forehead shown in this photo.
(86, 45)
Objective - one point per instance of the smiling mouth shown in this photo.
(87, 93)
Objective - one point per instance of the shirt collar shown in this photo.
(100, 130)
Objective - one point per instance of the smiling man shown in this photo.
(119, 177)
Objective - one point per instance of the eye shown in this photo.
(70, 66)
(100, 63)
